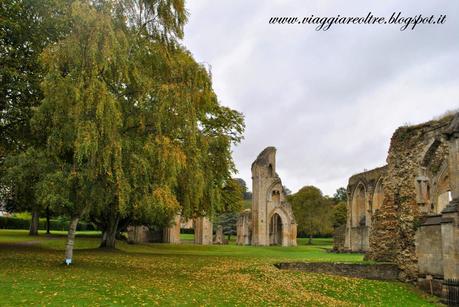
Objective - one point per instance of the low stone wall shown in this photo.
(381, 271)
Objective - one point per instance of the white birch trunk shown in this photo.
(71, 240)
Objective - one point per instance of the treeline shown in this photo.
(106, 117)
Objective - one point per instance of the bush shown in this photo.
(13, 223)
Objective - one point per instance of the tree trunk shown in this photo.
(33, 230)
(229, 237)
(109, 234)
(47, 221)
(310, 239)
(71, 240)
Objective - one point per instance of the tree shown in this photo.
(233, 195)
(80, 118)
(27, 27)
(23, 171)
(312, 211)
(340, 195)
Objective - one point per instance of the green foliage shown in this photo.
(247, 194)
(340, 195)
(339, 214)
(80, 117)
(313, 211)
(232, 196)
(26, 28)
(22, 173)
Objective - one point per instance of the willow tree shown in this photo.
(131, 120)
(176, 136)
(80, 117)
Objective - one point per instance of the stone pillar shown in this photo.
(219, 235)
(347, 235)
(450, 215)
(172, 233)
(243, 228)
(202, 231)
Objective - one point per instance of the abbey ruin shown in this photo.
(406, 212)
(271, 220)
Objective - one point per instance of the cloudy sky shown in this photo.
(328, 101)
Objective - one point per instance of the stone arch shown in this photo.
(443, 189)
(279, 229)
(378, 195)
(430, 152)
(359, 205)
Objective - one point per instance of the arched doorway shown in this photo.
(275, 230)
(359, 206)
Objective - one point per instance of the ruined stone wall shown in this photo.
(414, 161)
(429, 247)
(357, 229)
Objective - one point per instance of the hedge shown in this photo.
(187, 230)
(18, 223)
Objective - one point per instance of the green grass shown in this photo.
(32, 273)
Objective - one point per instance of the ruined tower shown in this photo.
(271, 220)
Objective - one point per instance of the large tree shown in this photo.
(80, 117)
(313, 211)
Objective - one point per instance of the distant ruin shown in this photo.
(271, 220)
(203, 232)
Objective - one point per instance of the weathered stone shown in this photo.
(382, 271)
(271, 220)
(219, 238)
(172, 233)
(202, 231)
(244, 228)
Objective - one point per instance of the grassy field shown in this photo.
(32, 273)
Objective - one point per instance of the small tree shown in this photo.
(312, 211)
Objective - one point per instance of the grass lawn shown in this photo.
(32, 273)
